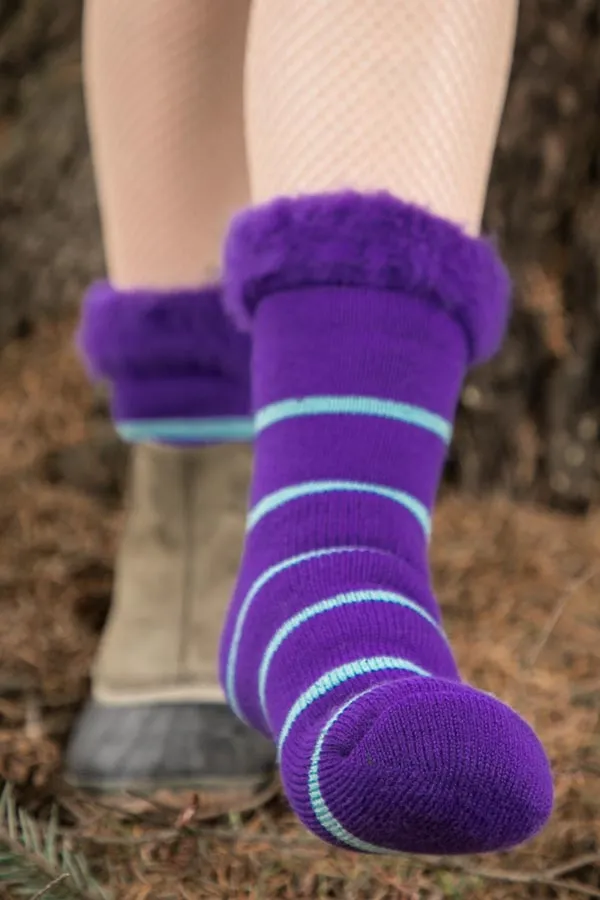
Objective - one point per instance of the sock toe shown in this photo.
(422, 766)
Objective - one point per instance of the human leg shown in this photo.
(369, 295)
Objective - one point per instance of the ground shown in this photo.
(519, 588)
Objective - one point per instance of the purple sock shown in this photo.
(365, 315)
(178, 368)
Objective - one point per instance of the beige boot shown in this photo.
(158, 720)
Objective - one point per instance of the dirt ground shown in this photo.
(519, 586)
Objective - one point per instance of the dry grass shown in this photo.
(519, 586)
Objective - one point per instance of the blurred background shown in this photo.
(530, 421)
(517, 544)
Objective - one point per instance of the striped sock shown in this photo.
(365, 315)
(177, 368)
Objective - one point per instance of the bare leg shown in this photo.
(403, 95)
(163, 88)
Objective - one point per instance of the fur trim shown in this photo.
(147, 333)
(367, 240)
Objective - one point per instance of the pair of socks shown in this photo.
(365, 314)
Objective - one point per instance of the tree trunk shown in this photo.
(529, 421)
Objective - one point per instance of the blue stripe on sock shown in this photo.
(336, 677)
(322, 606)
(353, 405)
(199, 431)
(247, 602)
(323, 814)
(311, 488)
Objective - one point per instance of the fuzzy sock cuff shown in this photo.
(166, 354)
(151, 333)
(367, 240)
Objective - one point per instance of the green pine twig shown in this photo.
(34, 861)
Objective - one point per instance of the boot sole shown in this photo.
(212, 796)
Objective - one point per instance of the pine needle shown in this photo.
(35, 862)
